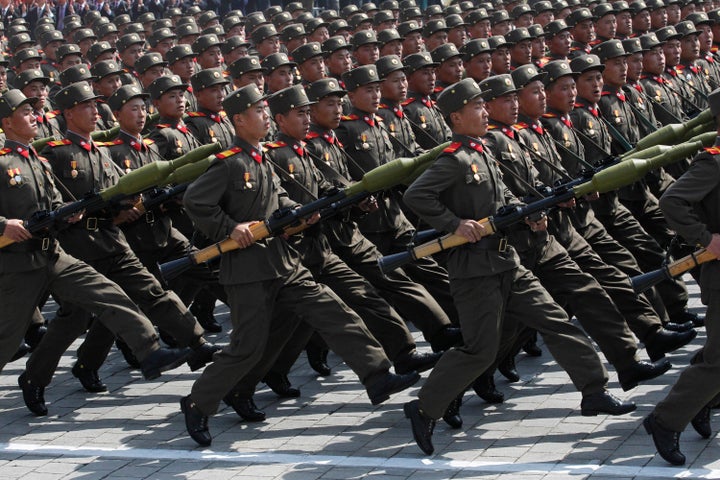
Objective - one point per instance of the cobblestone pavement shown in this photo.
(136, 431)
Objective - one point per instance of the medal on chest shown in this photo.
(327, 158)
(364, 145)
(246, 178)
(213, 138)
(178, 144)
(423, 123)
(616, 113)
(127, 163)
(15, 177)
(590, 131)
(566, 137)
(474, 169)
(73, 169)
(291, 170)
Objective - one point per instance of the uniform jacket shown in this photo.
(173, 138)
(398, 127)
(426, 120)
(211, 127)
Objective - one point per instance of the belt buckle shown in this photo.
(45, 244)
(150, 217)
(502, 246)
(91, 223)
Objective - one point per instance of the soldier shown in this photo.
(544, 13)
(266, 285)
(582, 29)
(151, 236)
(234, 49)
(149, 68)
(412, 39)
(450, 67)
(690, 206)
(181, 62)
(689, 70)
(38, 263)
(207, 51)
(435, 33)
(365, 47)
(106, 80)
(427, 122)
(34, 84)
(500, 56)
(293, 36)
(130, 49)
(50, 42)
(210, 123)
(477, 59)
(659, 90)
(558, 40)
(171, 135)
(672, 49)
(393, 92)
(489, 284)
(162, 40)
(310, 62)
(100, 52)
(616, 218)
(266, 40)
(521, 48)
(708, 62)
(605, 23)
(390, 43)
(83, 168)
(623, 17)
(640, 18)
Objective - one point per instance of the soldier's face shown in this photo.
(339, 62)
(327, 112)
(320, 35)
(532, 99)
(706, 37)
(32, 64)
(130, 55)
(606, 26)
(82, 117)
(673, 13)
(367, 54)
(366, 98)
(210, 58)
(560, 44)
(254, 123)
(249, 78)
(295, 123)
(22, 124)
(212, 97)
(634, 67)
(538, 47)
(584, 32)
(132, 116)
(51, 48)
(521, 52)
(413, 43)
(435, 40)
(451, 70)
(543, 18)
(624, 23)
(184, 68)
(171, 104)
(422, 81)
(641, 21)
(561, 94)
(478, 67)
(39, 90)
(106, 86)
(458, 36)
(151, 74)
(395, 86)
(690, 48)
(658, 18)
(672, 52)
(472, 119)
(313, 69)
(281, 77)
(654, 60)
(589, 86)
(269, 46)
(615, 73)
(501, 60)
(392, 48)
(504, 109)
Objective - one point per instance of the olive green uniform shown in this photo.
(31, 268)
(488, 283)
(82, 167)
(268, 289)
(691, 206)
(211, 127)
(427, 122)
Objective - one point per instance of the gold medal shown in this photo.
(422, 120)
(291, 170)
(364, 145)
(476, 175)
(73, 172)
(212, 137)
(246, 177)
(327, 158)
(178, 144)
(127, 165)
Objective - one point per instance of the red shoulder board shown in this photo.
(147, 141)
(5, 151)
(312, 135)
(549, 115)
(117, 141)
(382, 105)
(57, 143)
(492, 127)
(521, 125)
(277, 144)
(52, 114)
(196, 114)
(407, 102)
(378, 118)
(452, 148)
(713, 150)
(228, 153)
(349, 117)
(160, 126)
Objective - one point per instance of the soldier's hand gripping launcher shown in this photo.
(137, 181)
(608, 179)
(398, 171)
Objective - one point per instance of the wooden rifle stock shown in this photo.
(644, 282)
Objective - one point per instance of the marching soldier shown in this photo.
(34, 84)
(427, 122)
(489, 284)
(106, 80)
(210, 123)
(130, 49)
(171, 134)
(267, 286)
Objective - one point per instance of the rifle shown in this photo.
(377, 179)
(605, 180)
(644, 282)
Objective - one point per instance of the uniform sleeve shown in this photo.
(203, 198)
(161, 141)
(284, 200)
(678, 202)
(423, 196)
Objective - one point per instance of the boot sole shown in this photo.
(378, 399)
(156, 372)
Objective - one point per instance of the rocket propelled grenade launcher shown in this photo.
(137, 181)
(606, 180)
(401, 170)
(675, 132)
(646, 281)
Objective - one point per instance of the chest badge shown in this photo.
(127, 163)
(73, 167)
(15, 177)
(246, 178)
(365, 145)
(474, 169)
(423, 122)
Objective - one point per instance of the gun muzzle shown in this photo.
(388, 263)
(646, 281)
(174, 268)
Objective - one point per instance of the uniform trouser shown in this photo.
(647, 212)
(624, 228)
(411, 300)
(69, 280)
(613, 253)
(483, 304)
(424, 271)
(380, 318)
(259, 312)
(699, 383)
(573, 289)
(162, 307)
(636, 309)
